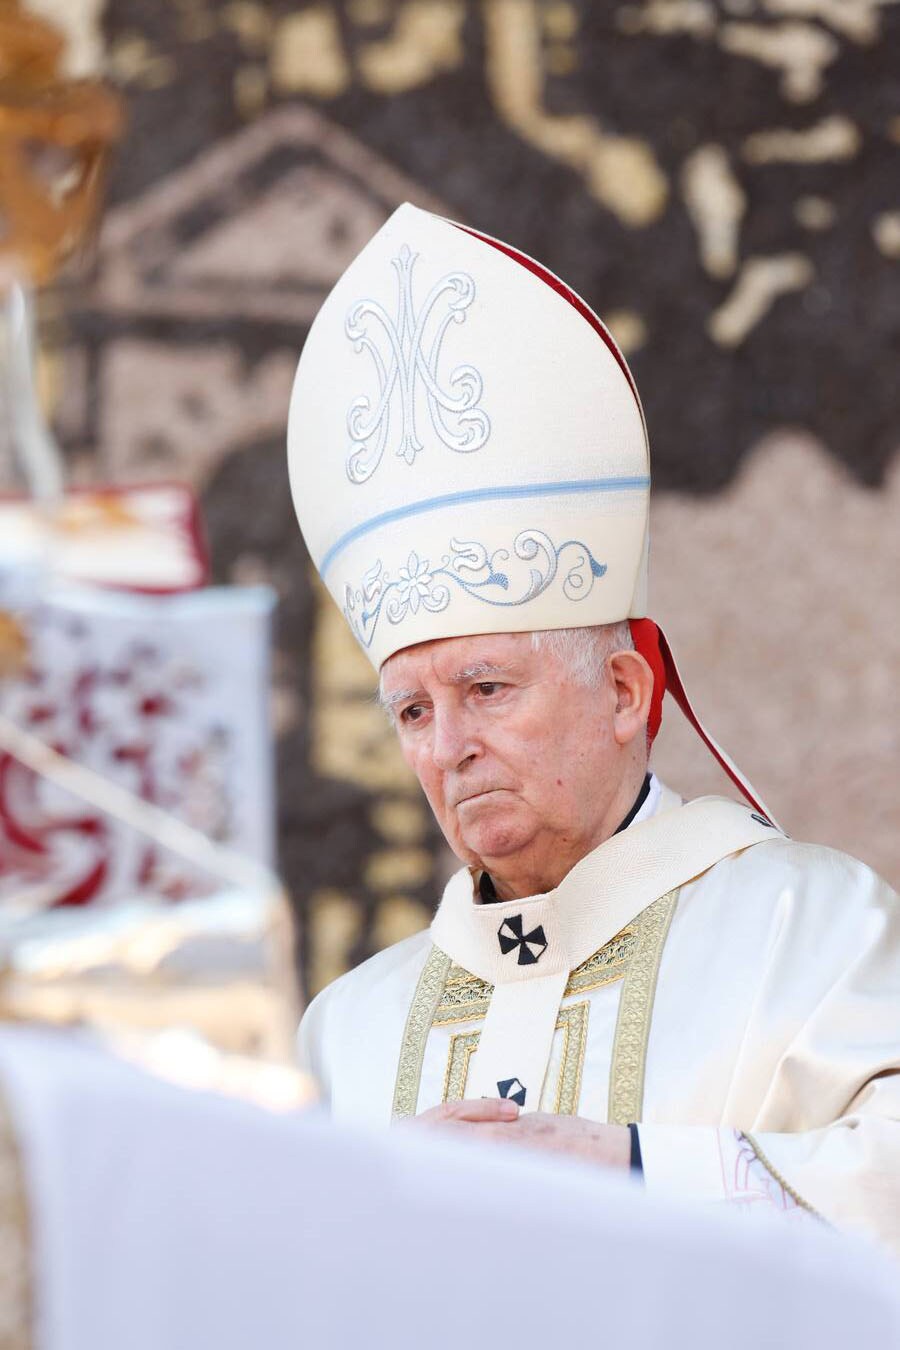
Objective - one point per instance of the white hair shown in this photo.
(585, 651)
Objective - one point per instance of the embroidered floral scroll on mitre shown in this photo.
(502, 578)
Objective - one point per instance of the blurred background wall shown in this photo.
(719, 178)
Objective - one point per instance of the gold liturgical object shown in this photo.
(55, 140)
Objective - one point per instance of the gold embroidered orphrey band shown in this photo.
(415, 1034)
(635, 953)
(572, 1022)
(15, 1242)
(629, 1055)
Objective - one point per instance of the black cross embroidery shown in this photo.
(531, 945)
(513, 1089)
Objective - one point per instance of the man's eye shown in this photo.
(488, 687)
(413, 713)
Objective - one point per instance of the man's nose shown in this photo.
(454, 741)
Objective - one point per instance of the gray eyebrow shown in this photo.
(389, 701)
(479, 671)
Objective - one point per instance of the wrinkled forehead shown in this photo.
(449, 660)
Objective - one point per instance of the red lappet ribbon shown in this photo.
(645, 635)
(651, 642)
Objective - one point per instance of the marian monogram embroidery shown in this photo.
(499, 578)
(405, 352)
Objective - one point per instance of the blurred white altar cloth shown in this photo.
(163, 1218)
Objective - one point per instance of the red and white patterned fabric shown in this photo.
(165, 695)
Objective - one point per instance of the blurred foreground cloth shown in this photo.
(136, 1213)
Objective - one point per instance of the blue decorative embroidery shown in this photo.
(469, 567)
(493, 493)
(406, 362)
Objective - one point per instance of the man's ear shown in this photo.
(633, 682)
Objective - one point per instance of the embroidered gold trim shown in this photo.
(448, 995)
(605, 966)
(15, 1243)
(785, 1185)
(466, 998)
(465, 1012)
(415, 1034)
(458, 978)
(629, 1056)
(462, 1047)
(572, 1022)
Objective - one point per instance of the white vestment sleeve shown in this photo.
(826, 1134)
(708, 1164)
(310, 1058)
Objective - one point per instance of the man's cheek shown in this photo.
(435, 798)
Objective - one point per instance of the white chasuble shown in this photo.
(734, 993)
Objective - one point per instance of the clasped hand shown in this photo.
(495, 1118)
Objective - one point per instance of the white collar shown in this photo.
(651, 803)
(666, 845)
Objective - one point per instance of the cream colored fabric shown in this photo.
(601, 893)
(517, 1037)
(777, 1013)
(467, 451)
(592, 903)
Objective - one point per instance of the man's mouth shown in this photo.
(476, 796)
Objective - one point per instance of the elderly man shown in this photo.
(675, 987)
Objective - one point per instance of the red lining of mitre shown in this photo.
(645, 636)
(566, 292)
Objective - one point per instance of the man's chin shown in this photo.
(491, 826)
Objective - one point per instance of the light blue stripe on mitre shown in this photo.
(589, 485)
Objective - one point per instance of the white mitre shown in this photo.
(468, 452)
(467, 449)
